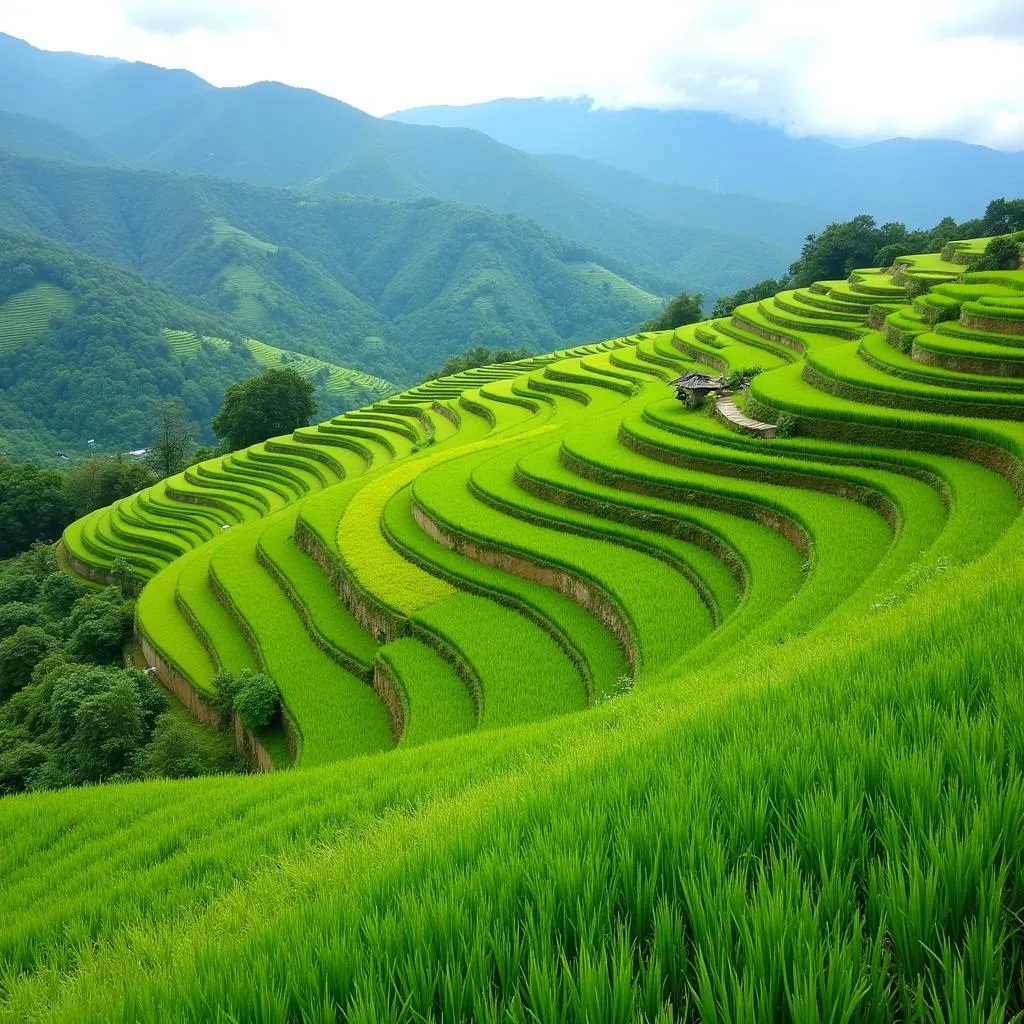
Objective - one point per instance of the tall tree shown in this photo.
(173, 441)
(276, 402)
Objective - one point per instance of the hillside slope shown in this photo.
(88, 348)
(386, 287)
(800, 654)
(892, 180)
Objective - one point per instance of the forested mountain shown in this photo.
(387, 287)
(83, 355)
(271, 134)
(892, 180)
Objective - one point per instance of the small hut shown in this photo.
(693, 388)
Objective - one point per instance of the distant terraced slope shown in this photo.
(23, 317)
(416, 568)
(339, 380)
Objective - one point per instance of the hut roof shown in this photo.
(695, 381)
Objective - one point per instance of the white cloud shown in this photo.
(926, 68)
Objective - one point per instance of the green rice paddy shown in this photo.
(603, 710)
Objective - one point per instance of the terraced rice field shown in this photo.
(23, 317)
(601, 709)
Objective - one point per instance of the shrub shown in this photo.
(257, 700)
(1000, 254)
(741, 378)
(174, 753)
(225, 689)
(786, 425)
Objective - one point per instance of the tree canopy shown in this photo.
(275, 402)
(679, 311)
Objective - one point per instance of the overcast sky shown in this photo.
(872, 69)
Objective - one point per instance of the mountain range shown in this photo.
(893, 180)
(276, 135)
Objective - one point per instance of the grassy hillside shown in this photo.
(603, 708)
(389, 288)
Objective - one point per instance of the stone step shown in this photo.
(727, 411)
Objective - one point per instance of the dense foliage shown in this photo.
(860, 242)
(275, 402)
(69, 712)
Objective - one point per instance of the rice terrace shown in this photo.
(769, 685)
(513, 560)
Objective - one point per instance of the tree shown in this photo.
(276, 402)
(16, 614)
(479, 355)
(32, 506)
(1000, 254)
(683, 309)
(109, 730)
(257, 700)
(59, 591)
(225, 689)
(173, 442)
(19, 655)
(98, 626)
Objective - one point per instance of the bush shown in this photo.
(257, 700)
(1000, 254)
(174, 753)
(741, 378)
(786, 425)
(225, 689)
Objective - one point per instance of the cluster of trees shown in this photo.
(253, 696)
(478, 355)
(70, 712)
(860, 242)
(678, 312)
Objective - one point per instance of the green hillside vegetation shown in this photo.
(600, 707)
(83, 354)
(389, 288)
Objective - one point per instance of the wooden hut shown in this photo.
(693, 388)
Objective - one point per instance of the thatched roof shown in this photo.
(696, 382)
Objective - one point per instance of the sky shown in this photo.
(871, 69)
